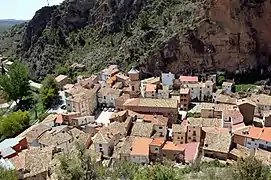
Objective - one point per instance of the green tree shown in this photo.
(220, 80)
(250, 168)
(15, 83)
(77, 164)
(62, 70)
(49, 91)
(8, 174)
(14, 123)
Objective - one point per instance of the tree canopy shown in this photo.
(14, 123)
(15, 83)
(8, 174)
(49, 91)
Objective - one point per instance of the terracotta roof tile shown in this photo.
(254, 132)
(141, 146)
(189, 78)
(191, 151)
(266, 134)
(170, 146)
(158, 141)
(150, 87)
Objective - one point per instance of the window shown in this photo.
(249, 143)
(178, 137)
(156, 149)
(181, 137)
(100, 145)
(189, 130)
(194, 133)
(69, 105)
(160, 127)
(252, 139)
(133, 88)
(104, 97)
(189, 138)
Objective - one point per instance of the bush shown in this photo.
(14, 123)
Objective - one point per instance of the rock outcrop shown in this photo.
(178, 36)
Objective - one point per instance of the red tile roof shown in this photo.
(266, 134)
(141, 146)
(191, 151)
(189, 78)
(59, 119)
(150, 87)
(158, 141)
(170, 146)
(254, 132)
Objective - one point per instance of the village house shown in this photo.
(66, 118)
(119, 116)
(200, 91)
(184, 98)
(107, 96)
(267, 119)
(247, 108)
(156, 149)
(191, 152)
(179, 133)
(152, 80)
(159, 124)
(33, 133)
(12, 146)
(232, 118)
(239, 152)
(57, 137)
(81, 100)
(149, 91)
(126, 147)
(34, 163)
(227, 87)
(141, 129)
(120, 77)
(134, 84)
(212, 110)
(81, 121)
(163, 93)
(107, 137)
(173, 152)
(184, 80)
(109, 72)
(50, 120)
(165, 107)
(262, 101)
(168, 79)
(195, 125)
(89, 82)
(253, 137)
(62, 80)
(120, 101)
(140, 150)
(217, 143)
(225, 99)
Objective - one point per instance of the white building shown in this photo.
(140, 150)
(200, 91)
(109, 72)
(107, 96)
(168, 79)
(227, 87)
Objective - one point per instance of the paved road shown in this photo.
(56, 108)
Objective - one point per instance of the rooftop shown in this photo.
(35, 131)
(217, 107)
(158, 141)
(51, 139)
(87, 94)
(184, 91)
(156, 119)
(152, 80)
(227, 83)
(133, 71)
(191, 151)
(127, 145)
(141, 146)
(60, 78)
(147, 102)
(226, 99)
(189, 78)
(235, 115)
(150, 87)
(217, 139)
(142, 129)
(112, 69)
(122, 76)
(204, 122)
(11, 142)
(178, 128)
(50, 118)
(261, 99)
(240, 151)
(170, 146)
(107, 90)
(266, 134)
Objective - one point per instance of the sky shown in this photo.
(22, 9)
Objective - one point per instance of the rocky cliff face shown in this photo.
(181, 36)
(234, 37)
